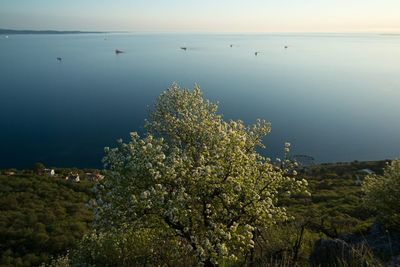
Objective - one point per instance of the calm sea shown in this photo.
(335, 97)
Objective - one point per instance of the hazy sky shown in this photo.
(204, 15)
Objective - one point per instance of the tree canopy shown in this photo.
(196, 178)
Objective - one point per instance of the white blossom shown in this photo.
(194, 173)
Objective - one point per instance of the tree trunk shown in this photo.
(253, 251)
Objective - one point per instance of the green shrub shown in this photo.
(382, 194)
(143, 247)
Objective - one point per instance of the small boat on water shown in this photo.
(117, 51)
(256, 53)
(59, 59)
(286, 47)
(184, 48)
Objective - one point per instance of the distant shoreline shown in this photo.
(391, 34)
(10, 32)
(338, 164)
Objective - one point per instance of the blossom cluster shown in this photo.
(196, 176)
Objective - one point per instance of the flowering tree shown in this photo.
(196, 177)
(382, 194)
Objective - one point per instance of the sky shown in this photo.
(203, 15)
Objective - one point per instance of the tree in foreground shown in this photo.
(194, 183)
(382, 194)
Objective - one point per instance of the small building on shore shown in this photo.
(73, 177)
(50, 172)
(94, 177)
(9, 173)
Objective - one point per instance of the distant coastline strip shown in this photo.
(9, 32)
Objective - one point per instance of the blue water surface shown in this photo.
(333, 96)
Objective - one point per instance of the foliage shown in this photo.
(336, 199)
(382, 194)
(333, 253)
(40, 217)
(196, 177)
(61, 261)
(38, 167)
(334, 210)
(134, 247)
(336, 204)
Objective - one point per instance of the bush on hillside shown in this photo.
(382, 194)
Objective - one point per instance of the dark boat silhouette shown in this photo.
(256, 53)
(59, 59)
(184, 48)
(117, 51)
(286, 47)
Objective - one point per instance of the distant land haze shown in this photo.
(197, 31)
(26, 31)
(9, 31)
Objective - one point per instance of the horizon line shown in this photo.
(205, 32)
